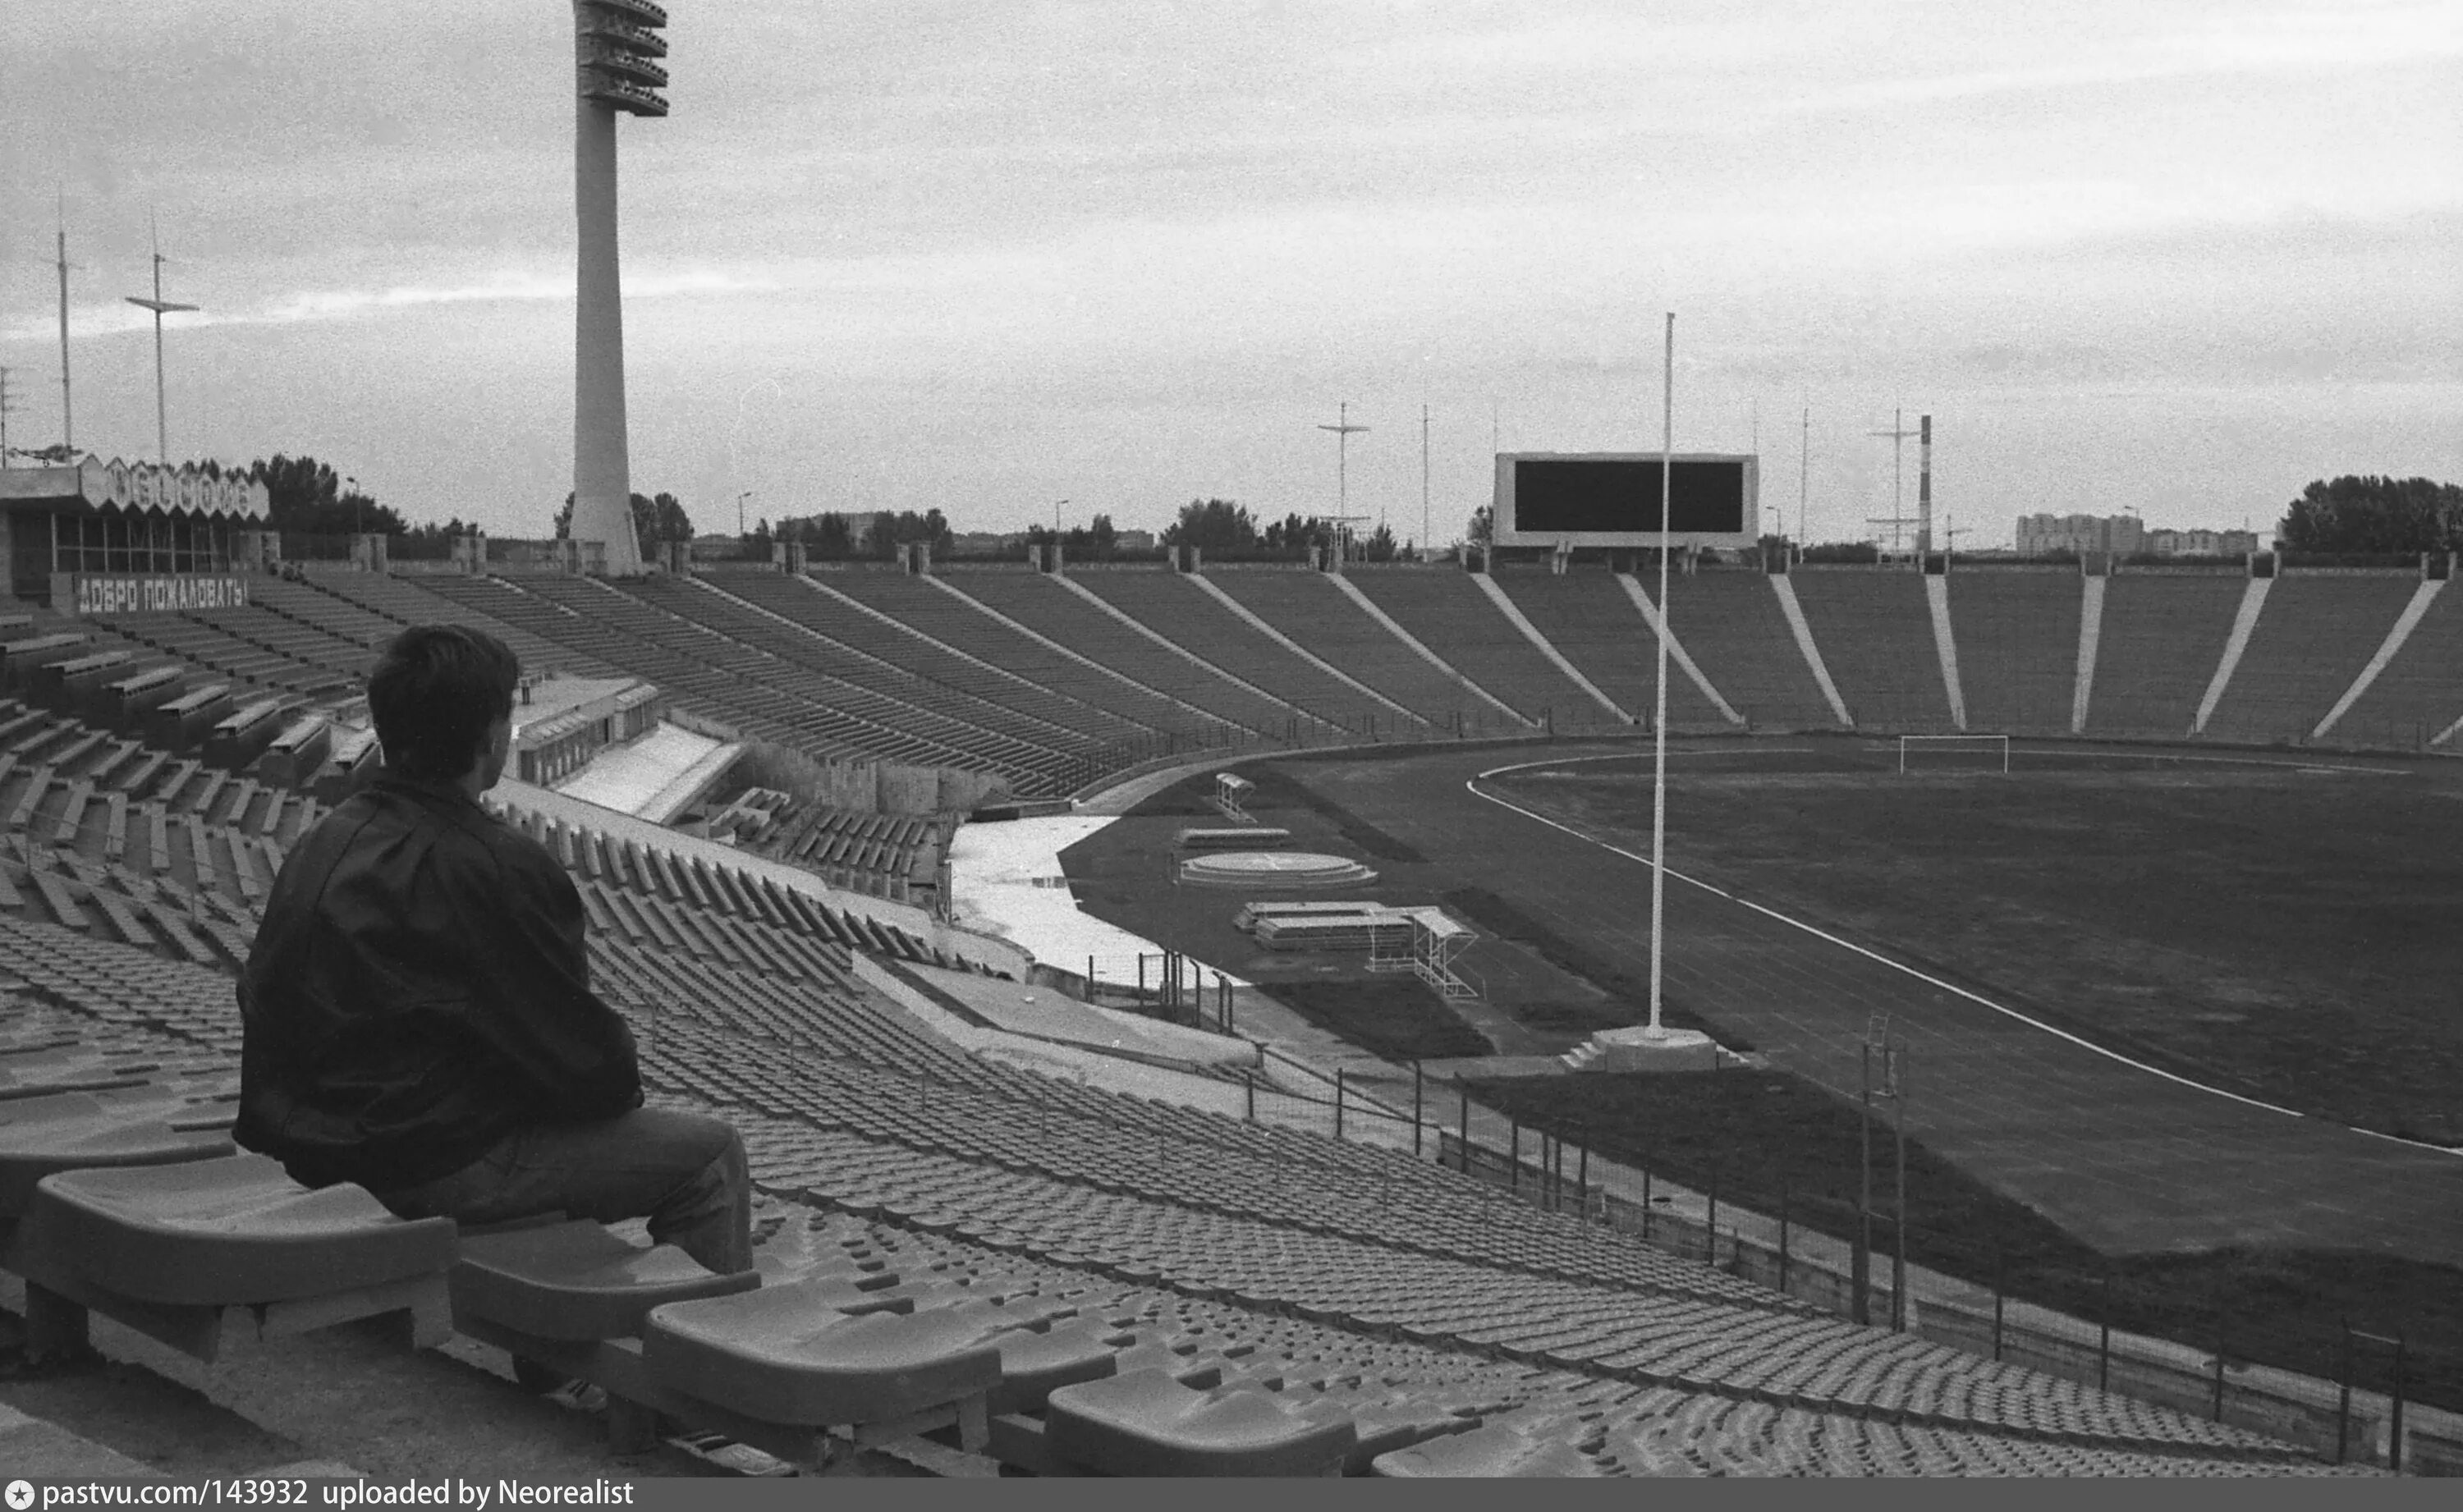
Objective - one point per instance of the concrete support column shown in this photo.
(602, 487)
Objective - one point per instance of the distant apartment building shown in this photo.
(2202, 543)
(2124, 535)
(2078, 534)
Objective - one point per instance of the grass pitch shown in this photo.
(2293, 933)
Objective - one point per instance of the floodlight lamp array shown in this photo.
(614, 44)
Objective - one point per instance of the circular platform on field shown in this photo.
(1269, 868)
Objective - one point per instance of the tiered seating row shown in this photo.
(662, 876)
(1464, 1221)
(1205, 1276)
(1875, 631)
(958, 741)
(1189, 618)
(317, 608)
(2018, 649)
(1586, 615)
(1450, 615)
(2160, 641)
(955, 621)
(1783, 1354)
(1053, 612)
(204, 639)
(1318, 615)
(404, 602)
(2312, 637)
(724, 677)
(902, 663)
(1732, 626)
(2417, 696)
(995, 737)
(872, 852)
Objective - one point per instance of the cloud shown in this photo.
(2244, 42)
(314, 305)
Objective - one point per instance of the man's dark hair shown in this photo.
(434, 693)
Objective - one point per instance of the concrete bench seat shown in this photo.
(1145, 1423)
(573, 1281)
(66, 684)
(182, 722)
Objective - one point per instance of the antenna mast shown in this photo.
(1803, 472)
(159, 305)
(1898, 520)
(1343, 430)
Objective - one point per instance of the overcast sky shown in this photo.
(985, 256)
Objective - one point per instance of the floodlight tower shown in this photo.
(614, 44)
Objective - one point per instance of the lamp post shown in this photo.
(160, 307)
(1424, 481)
(359, 526)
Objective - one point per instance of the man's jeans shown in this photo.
(685, 1173)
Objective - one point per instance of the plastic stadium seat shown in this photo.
(576, 1282)
(72, 1130)
(41, 1073)
(1487, 1454)
(787, 1355)
(1035, 1365)
(221, 1232)
(1145, 1423)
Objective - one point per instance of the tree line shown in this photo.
(2373, 514)
(833, 537)
(1223, 527)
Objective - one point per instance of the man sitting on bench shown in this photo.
(417, 1009)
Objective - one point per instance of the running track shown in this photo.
(2124, 1158)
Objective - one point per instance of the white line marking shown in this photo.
(1473, 789)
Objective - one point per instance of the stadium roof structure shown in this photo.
(95, 483)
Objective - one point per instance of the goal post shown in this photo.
(1953, 753)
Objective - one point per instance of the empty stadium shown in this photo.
(1152, 1250)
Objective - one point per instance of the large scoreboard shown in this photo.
(1612, 499)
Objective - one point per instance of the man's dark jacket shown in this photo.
(418, 991)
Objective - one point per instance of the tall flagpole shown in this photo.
(1659, 715)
